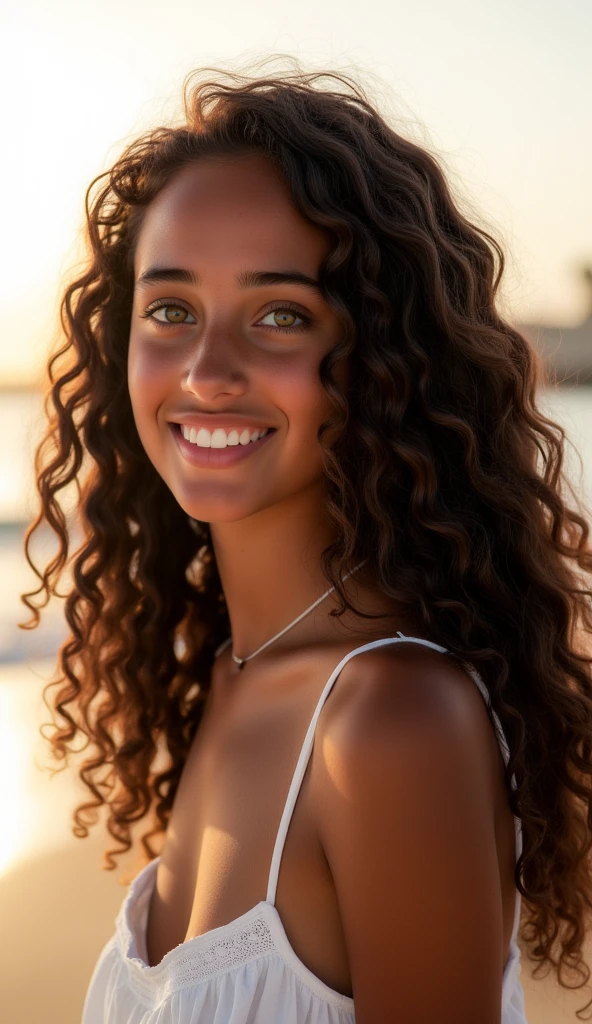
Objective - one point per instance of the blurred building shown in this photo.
(567, 351)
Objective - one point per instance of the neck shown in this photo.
(270, 569)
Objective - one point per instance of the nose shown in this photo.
(214, 367)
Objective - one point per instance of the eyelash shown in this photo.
(286, 307)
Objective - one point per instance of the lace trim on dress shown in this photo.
(192, 966)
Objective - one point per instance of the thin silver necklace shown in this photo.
(241, 661)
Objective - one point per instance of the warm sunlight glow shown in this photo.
(35, 805)
(15, 807)
(80, 88)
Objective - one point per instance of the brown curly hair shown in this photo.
(444, 474)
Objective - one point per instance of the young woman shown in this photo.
(323, 573)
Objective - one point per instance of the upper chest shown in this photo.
(218, 848)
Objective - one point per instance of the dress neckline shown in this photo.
(257, 933)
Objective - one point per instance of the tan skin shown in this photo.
(400, 853)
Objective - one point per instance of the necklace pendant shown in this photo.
(241, 663)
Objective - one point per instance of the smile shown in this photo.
(223, 449)
(220, 438)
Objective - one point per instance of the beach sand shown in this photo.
(57, 907)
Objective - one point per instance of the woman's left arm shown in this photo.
(407, 826)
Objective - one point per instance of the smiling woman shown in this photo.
(285, 368)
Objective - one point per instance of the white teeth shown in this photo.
(218, 438)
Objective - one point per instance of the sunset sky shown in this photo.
(501, 91)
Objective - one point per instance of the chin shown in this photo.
(217, 510)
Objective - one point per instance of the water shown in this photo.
(21, 424)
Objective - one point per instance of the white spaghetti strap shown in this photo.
(305, 753)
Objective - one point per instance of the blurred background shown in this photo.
(499, 92)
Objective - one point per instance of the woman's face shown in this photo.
(224, 340)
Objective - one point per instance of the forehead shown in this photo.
(228, 208)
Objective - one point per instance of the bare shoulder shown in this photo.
(406, 820)
(405, 692)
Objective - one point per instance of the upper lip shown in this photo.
(228, 421)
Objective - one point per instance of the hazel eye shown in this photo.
(284, 319)
(173, 314)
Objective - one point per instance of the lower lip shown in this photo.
(213, 458)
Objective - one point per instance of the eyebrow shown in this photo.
(246, 279)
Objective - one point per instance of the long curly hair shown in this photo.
(443, 474)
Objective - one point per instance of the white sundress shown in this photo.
(246, 972)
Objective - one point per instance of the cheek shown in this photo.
(147, 389)
(143, 362)
(305, 404)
